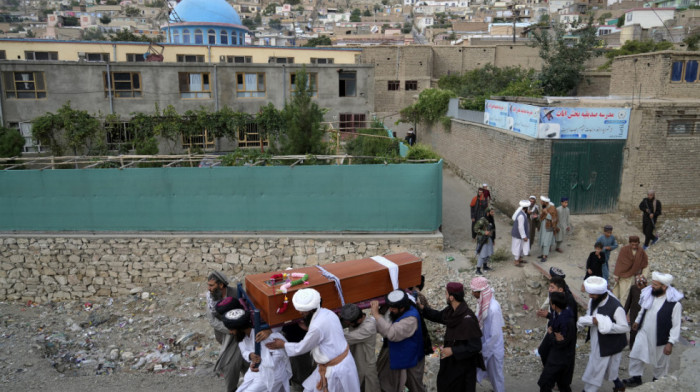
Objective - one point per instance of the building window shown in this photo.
(350, 122)
(311, 83)
(691, 71)
(239, 59)
(211, 34)
(24, 85)
(315, 60)
(683, 127)
(120, 136)
(223, 37)
(123, 84)
(393, 85)
(186, 36)
(176, 36)
(2, 55)
(97, 57)
(198, 39)
(684, 71)
(40, 55)
(30, 144)
(135, 57)
(204, 140)
(347, 84)
(280, 60)
(250, 85)
(411, 85)
(190, 58)
(248, 136)
(194, 85)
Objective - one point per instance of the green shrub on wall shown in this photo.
(11, 143)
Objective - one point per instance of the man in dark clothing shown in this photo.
(561, 335)
(462, 352)
(478, 208)
(557, 284)
(651, 209)
(632, 306)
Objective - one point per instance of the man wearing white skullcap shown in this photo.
(336, 371)
(607, 330)
(658, 325)
(520, 245)
(549, 224)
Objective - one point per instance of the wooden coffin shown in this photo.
(360, 280)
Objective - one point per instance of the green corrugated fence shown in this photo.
(349, 198)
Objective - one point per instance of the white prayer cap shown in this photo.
(664, 279)
(524, 203)
(484, 185)
(596, 285)
(545, 199)
(533, 197)
(306, 300)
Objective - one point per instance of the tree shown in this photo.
(132, 12)
(407, 27)
(303, 133)
(692, 40)
(70, 21)
(270, 9)
(620, 21)
(11, 142)
(270, 123)
(249, 23)
(367, 13)
(275, 24)
(564, 57)
(93, 34)
(356, 15)
(322, 40)
(431, 106)
(257, 19)
(602, 18)
(30, 34)
(377, 144)
(69, 129)
(125, 35)
(634, 47)
(105, 19)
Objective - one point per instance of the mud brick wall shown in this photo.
(54, 268)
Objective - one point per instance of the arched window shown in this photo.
(198, 37)
(223, 37)
(186, 36)
(212, 37)
(176, 36)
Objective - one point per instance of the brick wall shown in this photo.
(594, 84)
(649, 75)
(514, 166)
(665, 163)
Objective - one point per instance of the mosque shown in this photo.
(205, 22)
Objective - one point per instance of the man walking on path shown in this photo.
(631, 262)
(485, 229)
(651, 209)
(607, 331)
(488, 311)
(520, 245)
(609, 244)
(564, 226)
(548, 227)
(561, 338)
(478, 208)
(658, 328)
(461, 355)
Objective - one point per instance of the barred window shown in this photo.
(393, 85)
(683, 127)
(204, 140)
(123, 84)
(24, 85)
(249, 136)
(411, 85)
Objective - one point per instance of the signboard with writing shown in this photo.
(558, 122)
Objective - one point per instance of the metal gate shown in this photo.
(588, 173)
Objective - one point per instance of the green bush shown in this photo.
(381, 147)
(421, 151)
(11, 142)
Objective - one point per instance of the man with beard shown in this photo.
(404, 333)
(478, 208)
(362, 338)
(607, 331)
(548, 227)
(631, 263)
(461, 355)
(658, 328)
(270, 371)
(651, 209)
(520, 246)
(336, 370)
(533, 214)
(490, 317)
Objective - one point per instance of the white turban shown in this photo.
(596, 285)
(664, 279)
(306, 300)
(545, 199)
(484, 185)
(522, 204)
(533, 197)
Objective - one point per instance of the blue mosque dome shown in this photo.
(206, 11)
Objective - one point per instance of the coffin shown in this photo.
(360, 280)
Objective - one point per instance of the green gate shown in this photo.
(588, 172)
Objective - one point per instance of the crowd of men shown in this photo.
(326, 351)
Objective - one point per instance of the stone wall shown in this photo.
(594, 84)
(54, 268)
(514, 166)
(649, 75)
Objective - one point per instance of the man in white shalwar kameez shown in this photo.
(608, 327)
(270, 371)
(520, 245)
(658, 325)
(336, 371)
(488, 312)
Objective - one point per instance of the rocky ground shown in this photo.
(157, 337)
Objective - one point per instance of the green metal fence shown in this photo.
(348, 198)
